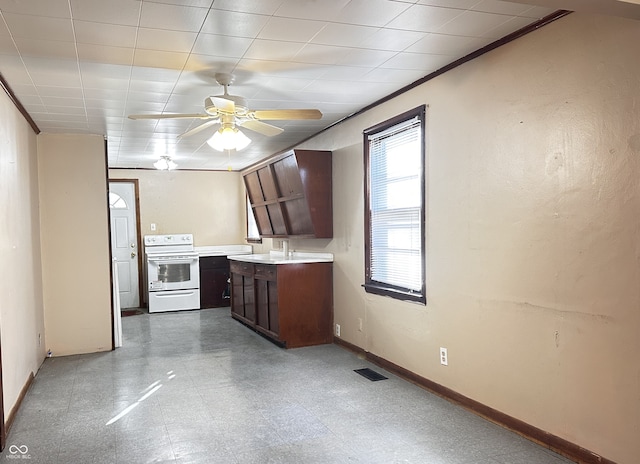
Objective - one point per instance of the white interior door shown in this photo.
(124, 241)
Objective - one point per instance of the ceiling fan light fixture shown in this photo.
(228, 138)
(165, 164)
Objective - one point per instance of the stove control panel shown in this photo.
(172, 239)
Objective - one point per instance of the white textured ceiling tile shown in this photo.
(159, 59)
(46, 48)
(290, 30)
(367, 58)
(200, 3)
(162, 39)
(417, 61)
(63, 101)
(402, 76)
(151, 86)
(172, 17)
(31, 100)
(424, 18)
(473, 24)
(273, 50)
(371, 12)
(537, 12)
(67, 110)
(23, 89)
(104, 54)
(279, 68)
(346, 35)
(117, 95)
(441, 44)
(391, 39)
(7, 46)
(496, 6)
(326, 10)
(234, 23)
(345, 73)
(460, 4)
(321, 54)
(508, 27)
(205, 63)
(264, 7)
(112, 35)
(221, 45)
(53, 8)
(64, 92)
(39, 27)
(103, 70)
(124, 12)
(153, 73)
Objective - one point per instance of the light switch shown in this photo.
(153, 227)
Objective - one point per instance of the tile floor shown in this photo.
(198, 387)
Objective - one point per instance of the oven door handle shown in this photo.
(172, 261)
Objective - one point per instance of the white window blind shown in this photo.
(395, 206)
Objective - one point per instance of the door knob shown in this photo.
(133, 254)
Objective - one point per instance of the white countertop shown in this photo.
(277, 257)
(223, 250)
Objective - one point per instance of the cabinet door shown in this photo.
(267, 298)
(214, 286)
(288, 177)
(254, 190)
(249, 299)
(269, 189)
(237, 294)
(278, 223)
(262, 220)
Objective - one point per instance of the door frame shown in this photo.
(3, 431)
(136, 192)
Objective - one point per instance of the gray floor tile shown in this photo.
(197, 387)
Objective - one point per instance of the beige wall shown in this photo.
(533, 234)
(21, 309)
(75, 243)
(207, 204)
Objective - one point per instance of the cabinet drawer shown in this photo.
(266, 271)
(213, 262)
(239, 267)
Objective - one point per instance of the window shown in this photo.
(253, 235)
(116, 201)
(394, 207)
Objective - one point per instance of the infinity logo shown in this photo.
(14, 449)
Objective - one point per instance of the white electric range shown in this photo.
(173, 272)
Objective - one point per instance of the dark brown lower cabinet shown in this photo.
(290, 303)
(214, 285)
(242, 292)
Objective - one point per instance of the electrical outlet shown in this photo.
(337, 330)
(360, 324)
(39, 340)
(444, 360)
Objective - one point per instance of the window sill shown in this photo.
(395, 293)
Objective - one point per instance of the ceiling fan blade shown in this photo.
(224, 105)
(168, 116)
(287, 114)
(261, 127)
(197, 129)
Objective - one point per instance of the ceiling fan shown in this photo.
(230, 111)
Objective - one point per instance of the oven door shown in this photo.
(173, 272)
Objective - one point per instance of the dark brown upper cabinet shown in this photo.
(290, 194)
